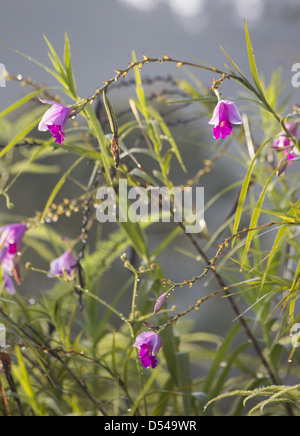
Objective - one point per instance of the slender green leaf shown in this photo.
(58, 186)
(184, 379)
(19, 137)
(244, 191)
(20, 102)
(113, 122)
(81, 151)
(168, 134)
(139, 84)
(21, 373)
(56, 61)
(219, 386)
(274, 249)
(252, 63)
(293, 293)
(192, 100)
(220, 357)
(145, 390)
(255, 217)
(143, 175)
(137, 239)
(169, 349)
(96, 128)
(233, 63)
(68, 68)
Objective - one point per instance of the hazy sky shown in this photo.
(189, 9)
(103, 34)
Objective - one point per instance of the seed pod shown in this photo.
(111, 115)
(115, 149)
(6, 361)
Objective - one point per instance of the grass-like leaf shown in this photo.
(19, 137)
(255, 217)
(244, 190)
(252, 63)
(97, 130)
(68, 68)
(58, 187)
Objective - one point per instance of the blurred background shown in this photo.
(102, 36)
(103, 33)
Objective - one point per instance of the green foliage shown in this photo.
(70, 338)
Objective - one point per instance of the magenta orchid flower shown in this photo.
(149, 344)
(225, 116)
(8, 284)
(54, 120)
(285, 144)
(66, 263)
(11, 237)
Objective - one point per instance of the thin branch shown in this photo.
(146, 60)
(211, 265)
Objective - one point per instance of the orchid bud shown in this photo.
(160, 302)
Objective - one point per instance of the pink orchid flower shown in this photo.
(11, 237)
(54, 120)
(285, 144)
(149, 344)
(225, 116)
(66, 263)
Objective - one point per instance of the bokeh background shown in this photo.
(102, 35)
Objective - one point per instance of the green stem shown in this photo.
(134, 295)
